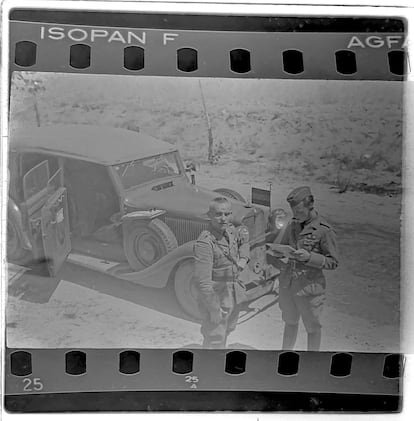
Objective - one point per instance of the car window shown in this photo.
(55, 181)
(35, 180)
(31, 159)
(86, 179)
(140, 171)
(86, 172)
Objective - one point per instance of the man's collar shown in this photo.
(313, 216)
(218, 233)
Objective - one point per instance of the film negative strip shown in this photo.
(163, 171)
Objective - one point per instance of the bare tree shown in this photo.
(210, 132)
(28, 82)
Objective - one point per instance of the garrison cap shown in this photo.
(297, 195)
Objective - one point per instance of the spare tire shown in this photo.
(145, 242)
(231, 194)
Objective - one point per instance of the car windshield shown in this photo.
(140, 171)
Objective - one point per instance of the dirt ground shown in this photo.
(332, 138)
(361, 312)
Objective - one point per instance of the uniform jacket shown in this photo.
(317, 237)
(215, 269)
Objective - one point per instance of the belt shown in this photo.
(297, 268)
(224, 274)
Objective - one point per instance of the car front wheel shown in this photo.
(147, 242)
(185, 290)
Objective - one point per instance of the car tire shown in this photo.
(231, 194)
(15, 251)
(185, 289)
(146, 242)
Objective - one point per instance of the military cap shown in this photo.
(297, 195)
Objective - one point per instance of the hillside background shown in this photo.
(271, 130)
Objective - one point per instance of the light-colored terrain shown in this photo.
(330, 135)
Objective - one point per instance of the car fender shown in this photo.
(15, 213)
(157, 275)
(147, 215)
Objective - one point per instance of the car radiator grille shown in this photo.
(184, 229)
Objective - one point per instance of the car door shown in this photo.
(46, 206)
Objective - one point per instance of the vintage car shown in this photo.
(119, 202)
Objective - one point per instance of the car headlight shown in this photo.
(278, 219)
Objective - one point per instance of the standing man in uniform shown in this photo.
(302, 282)
(221, 253)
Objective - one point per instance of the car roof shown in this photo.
(99, 144)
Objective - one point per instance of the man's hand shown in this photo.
(301, 255)
(216, 317)
(241, 263)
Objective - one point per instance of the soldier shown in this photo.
(302, 282)
(220, 253)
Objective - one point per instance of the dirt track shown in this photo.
(361, 313)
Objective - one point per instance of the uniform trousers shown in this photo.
(294, 306)
(215, 334)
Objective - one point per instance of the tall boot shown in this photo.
(290, 334)
(314, 340)
(214, 344)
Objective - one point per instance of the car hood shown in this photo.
(180, 198)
